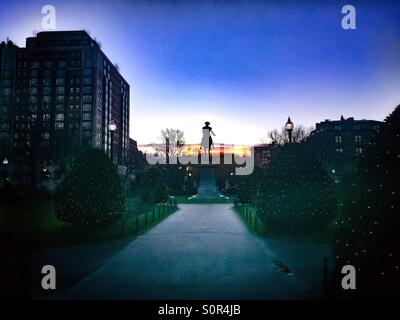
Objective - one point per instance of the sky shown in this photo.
(245, 66)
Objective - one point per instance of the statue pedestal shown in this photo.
(207, 188)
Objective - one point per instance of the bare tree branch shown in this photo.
(299, 134)
(171, 141)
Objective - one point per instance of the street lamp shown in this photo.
(5, 163)
(289, 128)
(112, 127)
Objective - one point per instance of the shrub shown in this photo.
(296, 193)
(367, 234)
(91, 192)
(152, 186)
(246, 189)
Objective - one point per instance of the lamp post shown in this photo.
(5, 163)
(112, 127)
(289, 128)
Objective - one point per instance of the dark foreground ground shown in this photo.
(203, 251)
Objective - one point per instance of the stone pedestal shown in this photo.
(207, 188)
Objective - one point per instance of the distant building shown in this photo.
(7, 93)
(337, 143)
(263, 153)
(63, 92)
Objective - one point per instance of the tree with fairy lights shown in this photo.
(91, 192)
(153, 187)
(247, 185)
(368, 236)
(296, 193)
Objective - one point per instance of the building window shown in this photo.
(47, 99)
(33, 90)
(337, 128)
(359, 151)
(339, 150)
(33, 82)
(47, 82)
(87, 80)
(87, 72)
(61, 73)
(87, 98)
(357, 138)
(87, 90)
(61, 64)
(46, 90)
(7, 74)
(86, 116)
(86, 125)
(59, 125)
(59, 116)
(47, 73)
(87, 107)
(338, 139)
(357, 127)
(60, 98)
(6, 91)
(60, 81)
(60, 90)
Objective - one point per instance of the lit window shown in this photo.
(338, 139)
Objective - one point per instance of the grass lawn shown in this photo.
(185, 200)
(29, 216)
(34, 224)
(256, 225)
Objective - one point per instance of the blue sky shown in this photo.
(242, 65)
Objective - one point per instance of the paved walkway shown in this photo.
(202, 252)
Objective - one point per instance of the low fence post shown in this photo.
(152, 213)
(145, 219)
(123, 227)
(137, 224)
(326, 277)
(255, 221)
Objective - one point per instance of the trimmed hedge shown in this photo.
(367, 234)
(296, 193)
